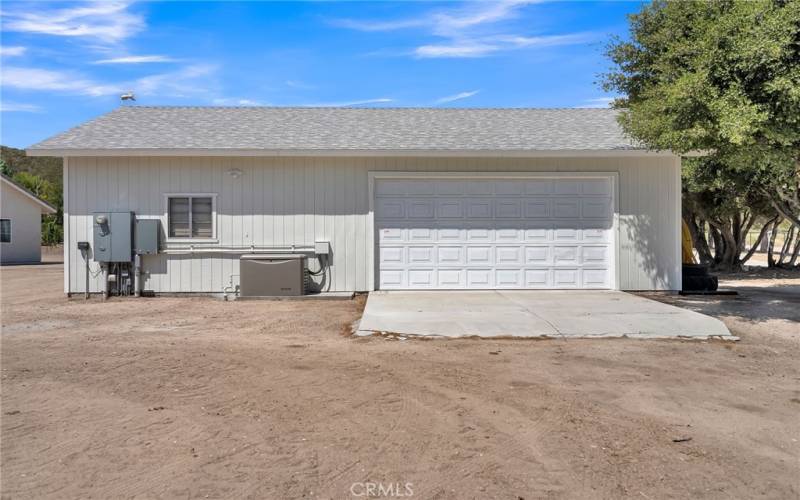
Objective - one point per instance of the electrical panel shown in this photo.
(146, 237)
(113, 236)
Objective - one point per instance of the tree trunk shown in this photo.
(719, 245)
(796, 249)
(787, 246)
(771, 245)
(699, 238)
(760, 237)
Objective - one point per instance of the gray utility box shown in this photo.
(113, 236)
(146, 237)
(264, 275)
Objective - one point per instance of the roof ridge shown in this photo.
(370, 108)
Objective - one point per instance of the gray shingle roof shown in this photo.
(345, 129)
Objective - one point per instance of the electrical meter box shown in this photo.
(146, 237)
(113, 236)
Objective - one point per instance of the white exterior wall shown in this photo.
(26, 227)
(285, 201)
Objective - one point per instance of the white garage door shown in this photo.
(534, 232)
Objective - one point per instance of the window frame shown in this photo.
(212, 239)
(10, 230)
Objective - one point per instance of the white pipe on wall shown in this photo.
(234, 249)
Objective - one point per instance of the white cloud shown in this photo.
(597, 102)
(105, 21)
(381, 100)
(469, 31)
(456, 97)
(188, 81)
(136, 60)
(470, 49)
(444, 22)
(47, 80)
(359, 25)
(12, 51)
(452, 23)
(483, 46)
(230, 101)
(6, 106)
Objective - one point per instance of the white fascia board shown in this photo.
(581, 153)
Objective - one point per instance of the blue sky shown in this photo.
(64, 63)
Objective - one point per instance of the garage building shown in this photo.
(406, 198)
(20, 223)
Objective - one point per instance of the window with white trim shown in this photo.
(5, 230)
(190, 216)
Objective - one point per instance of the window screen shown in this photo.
(201, 218)
(5, 230)
(191, 217)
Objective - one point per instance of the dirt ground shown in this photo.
(199, 398)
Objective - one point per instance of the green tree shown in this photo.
(721, 78)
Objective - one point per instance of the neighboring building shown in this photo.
(407, 198)
(20, 224)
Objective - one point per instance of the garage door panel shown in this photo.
(421, 255)
(563, 233)
(539, 186)
(538, 234)
(565, 255)
(508, 255)
(495, 233)
(537, 209)
(391, 187)
(594, 255)
(479, 188)
(566, 208)
(420, 209)
(508, 235)
(418, 187)
(422, 278)
(451, 256)
(508, 278)
(595, 235)
(538, 278)
(567, 186)
(508, 209)
(479, 209)
(595, 208)
(421, 234)
(508, 188)
(393, 279)
(450, 234)
(595, 187)
(474, 234)
(479, 278)
(565, 278)
(391, 234)
(537, 255)
(390, 208)
(451, 278)
(595, 278)
(392, 256)
(449, 209)
(479, 255)
(448, 187)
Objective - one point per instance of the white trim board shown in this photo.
(372, 270)
(303, 153)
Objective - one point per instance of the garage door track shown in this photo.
(529, 313)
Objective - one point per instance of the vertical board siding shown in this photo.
(295, 201)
